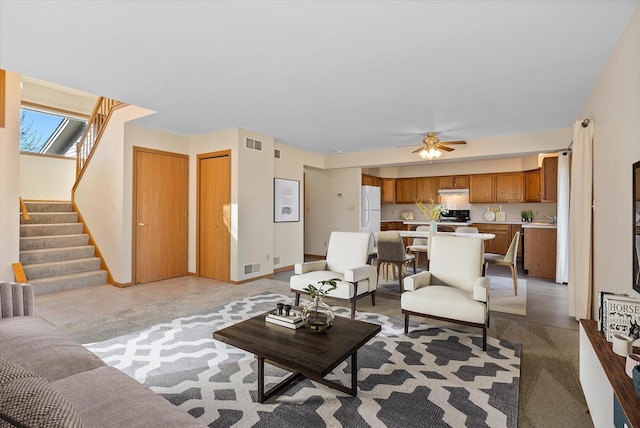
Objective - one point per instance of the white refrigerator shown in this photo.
(371, 209)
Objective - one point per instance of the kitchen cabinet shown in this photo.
(549, 177)
(405, 190)
(426, 189)
(532, 186)
(392, 225)
(482, 188)
(370, 180)
(541, 184)
(500, 244)
(388, 193)
(453, 182)
(515, 228)
(509, 187)
(540, 252)
(637, 184)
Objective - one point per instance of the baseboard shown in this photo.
(244, 281)
(313, 256)
(122, 284)
(192, 274)
(282, 269)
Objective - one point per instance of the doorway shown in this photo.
(160, 209)
(214, 215)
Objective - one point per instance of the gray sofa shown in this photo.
(49, 380)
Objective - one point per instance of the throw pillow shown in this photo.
(27, 400)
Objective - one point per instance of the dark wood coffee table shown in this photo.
(303, 353)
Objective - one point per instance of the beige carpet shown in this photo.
(502, 298)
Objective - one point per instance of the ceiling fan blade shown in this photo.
(445, 148)
(417, 150)
(453, 142)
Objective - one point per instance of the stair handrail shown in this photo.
(93, 132)
(23, 210)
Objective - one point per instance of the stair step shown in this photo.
(53, 241)
(50, 218)
(41, 270)
(52, 206)
(51, 229)
(45, 255)
(68, 282)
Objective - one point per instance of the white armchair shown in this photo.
(453, 288)
(346, 260)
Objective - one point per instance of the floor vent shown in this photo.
(252, 144)
(276, 260)
(276, 153)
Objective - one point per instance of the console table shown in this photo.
(609, 392)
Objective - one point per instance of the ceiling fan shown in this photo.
(431, 146)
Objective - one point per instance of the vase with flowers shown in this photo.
(317, 316)
(432, 210)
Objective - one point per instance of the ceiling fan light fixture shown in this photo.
(431, 153)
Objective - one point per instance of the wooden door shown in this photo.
(214, 215)
(461, 182)
(446, 182)
(161, 192)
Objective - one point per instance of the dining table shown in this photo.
(425, 234)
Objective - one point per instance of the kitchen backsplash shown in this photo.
(512, 211)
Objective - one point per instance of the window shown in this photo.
(49, 132)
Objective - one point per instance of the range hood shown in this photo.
(453, 191)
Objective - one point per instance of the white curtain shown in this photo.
(580, 221)
(562, 255)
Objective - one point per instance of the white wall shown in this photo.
(325, 210)
(10, 179)
(288, 238)
(47, 178)
(101, 199)
(52, 95)
(614, 105)
(513, 145)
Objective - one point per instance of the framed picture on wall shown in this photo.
(286, 200)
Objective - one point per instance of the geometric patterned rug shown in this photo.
(433, 377)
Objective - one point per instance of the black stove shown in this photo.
(459, 216)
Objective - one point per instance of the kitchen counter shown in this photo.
(428, 222)
(483, 221)
(539, 226)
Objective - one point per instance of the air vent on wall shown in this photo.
(252, 144)
(276, 153)
(276, 260)
(251, 268)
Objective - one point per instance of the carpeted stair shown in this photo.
(54, 251)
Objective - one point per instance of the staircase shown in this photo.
(54, 251)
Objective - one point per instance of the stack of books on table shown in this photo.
(618, 313)
(294, 320)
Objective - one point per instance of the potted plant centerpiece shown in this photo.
(433, 211)
(317, 315)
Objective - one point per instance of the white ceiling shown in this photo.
(324, 76)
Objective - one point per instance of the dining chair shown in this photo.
(443, 228)
(466, 229)
(508, 259)
(391, 250)
(420, 246)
